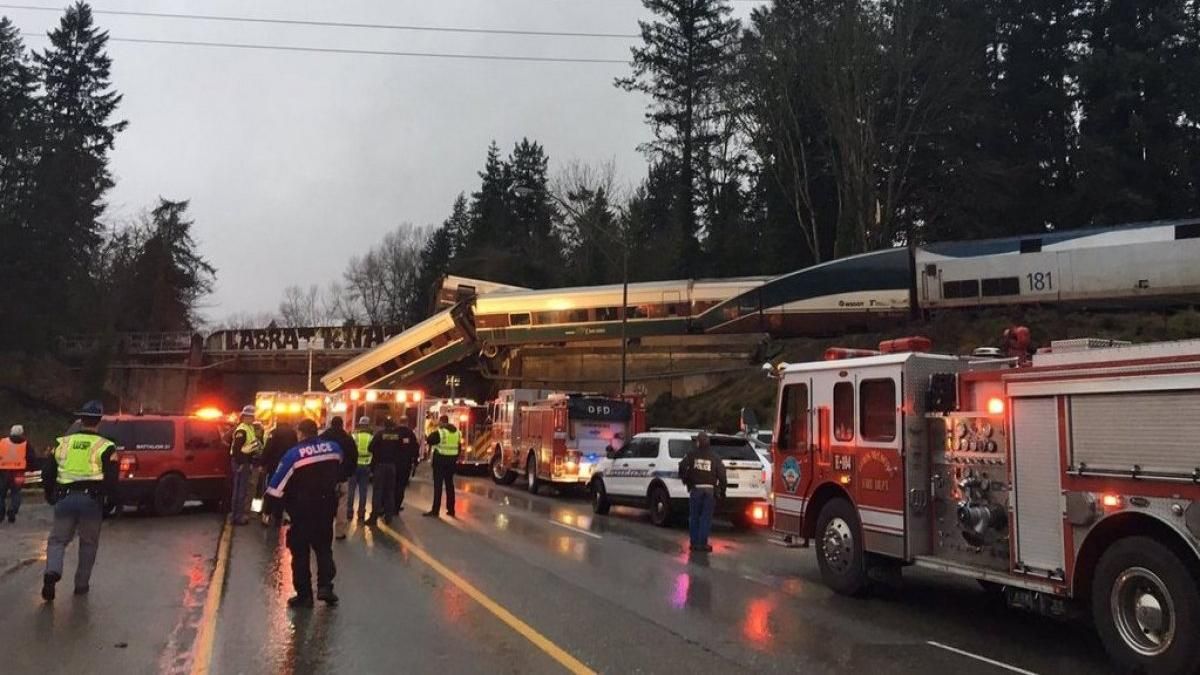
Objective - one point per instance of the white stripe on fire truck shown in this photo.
(881, 519)
(790, 504)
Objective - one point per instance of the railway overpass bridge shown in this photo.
(177, 371)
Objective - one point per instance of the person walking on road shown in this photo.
(75, 479)
(242, 449)
(337, 433)
(703, 472)
(306, 482)
(279, 441)
(16, 455)
(446, 446)
(362, 474)
(406, 463)
(385, 449)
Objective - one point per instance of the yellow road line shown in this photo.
(202, 660)
(555, 652)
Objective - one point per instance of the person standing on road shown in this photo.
(337, 433)
(242, 448)
(406, 464)
(16, 454)
(279, 441)
(446, 446)
(385, 455)
(362, 474)
(306, 482)
(75, 479)
(703, 472)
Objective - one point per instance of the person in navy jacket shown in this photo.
(306, 482)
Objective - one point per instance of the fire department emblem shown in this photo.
(791, 474)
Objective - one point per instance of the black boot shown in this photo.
(326, 595)
(48, 581)
(299, 600)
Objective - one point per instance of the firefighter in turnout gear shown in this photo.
(244, 447)
(362, 475)
(76, 479)
(703, 472)
(446, 444)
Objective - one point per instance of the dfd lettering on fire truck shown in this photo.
(1071, 476)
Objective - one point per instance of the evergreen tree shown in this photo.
(532, 236)
(655, 250)
(167, 276)
(681, 65)
(71, 176)
(17, 153)
(593, 235)
(435, 261)
(458, 225)
(490, 212)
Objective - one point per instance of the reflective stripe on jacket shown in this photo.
(79, 458)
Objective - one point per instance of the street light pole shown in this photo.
(624, 305)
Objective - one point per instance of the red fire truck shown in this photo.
(1068, 481)
(555, 438)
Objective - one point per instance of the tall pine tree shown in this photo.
(18, 137)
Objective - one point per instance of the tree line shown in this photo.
(824, 128)
(66, 270)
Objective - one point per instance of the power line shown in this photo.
(364, 52)
(334, 24)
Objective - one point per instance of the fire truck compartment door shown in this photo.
(1037, 486)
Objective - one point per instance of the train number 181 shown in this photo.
(1040, 281)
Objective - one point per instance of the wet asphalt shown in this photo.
(614, 592)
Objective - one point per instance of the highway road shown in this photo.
(518, 583)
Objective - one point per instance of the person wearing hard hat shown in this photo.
(362, 474)
(75, 479)
(242, 449)
(16, 455)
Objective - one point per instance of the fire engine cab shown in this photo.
(1070, 480)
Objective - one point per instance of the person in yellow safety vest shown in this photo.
(76, 478)
(16, 455)
(244, 446)
(446, 443)
(362, 475)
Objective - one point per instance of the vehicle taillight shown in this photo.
(760, 514)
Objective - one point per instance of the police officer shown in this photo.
(446, 444)
(75, 479)
(242, 448)
(385, 449)
(362, 475)
(306, 481)
(703, 472)
(406, 462)
(337, 433)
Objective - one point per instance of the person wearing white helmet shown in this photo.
(16, 455)
(242, 449)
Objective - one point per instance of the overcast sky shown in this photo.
(295, 161)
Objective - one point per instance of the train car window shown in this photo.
(607, 314)
(843, 411)
(967, 288)
(577, 316)
(543, 318)
(877, 400)
(793, 411)
(637, 312)
(521, 319)
(1031, 245)
(1189, 231)
(1002, 286)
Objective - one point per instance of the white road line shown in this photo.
(576, 529)
(977, 657)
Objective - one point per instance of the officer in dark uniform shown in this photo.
(76, 479)
(386, 449)
(306, 480)
(406, 464)
(703, 472)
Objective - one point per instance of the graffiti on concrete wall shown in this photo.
(317, 338)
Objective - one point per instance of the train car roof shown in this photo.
(480, 285)
(572, 297)
(422, 332)
(1084, 237)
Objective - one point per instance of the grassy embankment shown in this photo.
(951, 332)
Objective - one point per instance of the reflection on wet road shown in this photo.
(513, 579)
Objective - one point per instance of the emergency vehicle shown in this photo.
(555, 438)
(471, 419)
(1069, 480)
(272, 407)
(402, 405)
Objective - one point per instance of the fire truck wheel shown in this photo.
(169, 494)
(532, 482)
(600, 503)
(501, 474)
(1146, 607)
(660, 507)
(839, 548)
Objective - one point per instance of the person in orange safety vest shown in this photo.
(16, 455)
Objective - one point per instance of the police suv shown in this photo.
(645, 474)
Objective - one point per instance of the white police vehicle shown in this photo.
(645, 474)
